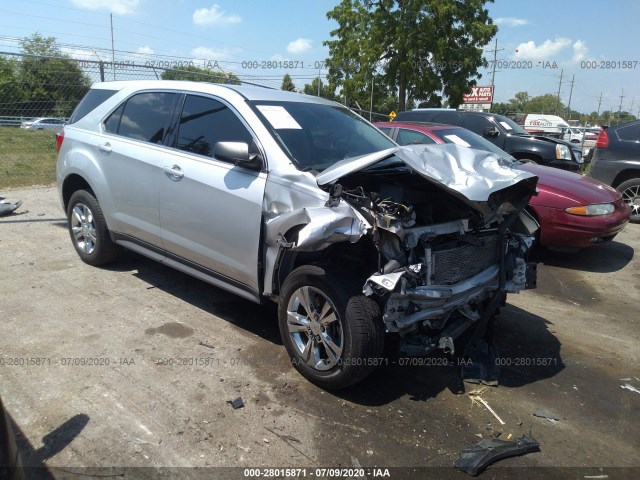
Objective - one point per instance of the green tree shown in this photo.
(418, 47)
(52, 83)
(11, 91)
(287, 83)
(197, 74)
(326, 91)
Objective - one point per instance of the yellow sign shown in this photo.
(392, 115)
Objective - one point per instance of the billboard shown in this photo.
(479, 95)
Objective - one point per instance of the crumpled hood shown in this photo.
(475, 174)
(472, 175)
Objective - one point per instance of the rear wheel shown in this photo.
(630, 191)
(333, 334)
(88, 230)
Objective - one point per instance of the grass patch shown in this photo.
(27, 157)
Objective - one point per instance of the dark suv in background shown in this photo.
(616, 162)
(505, 134)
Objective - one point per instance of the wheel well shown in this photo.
(72, 184)
(357, 258)
(624, 176)
(527, 155)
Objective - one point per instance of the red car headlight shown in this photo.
(592, 210)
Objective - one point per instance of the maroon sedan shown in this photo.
(573, 211)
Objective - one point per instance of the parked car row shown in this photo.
(505, 134)
(43, 123)
(573, 211)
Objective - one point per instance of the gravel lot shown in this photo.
(167, 352)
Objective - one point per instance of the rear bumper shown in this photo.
(561, 229)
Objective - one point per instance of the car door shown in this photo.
(132, 155)
(211, 209)
(481, 125)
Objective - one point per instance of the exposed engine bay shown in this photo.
(440, 258)
(450, 233)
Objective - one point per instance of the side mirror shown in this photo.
(232, 151)
(491, 132)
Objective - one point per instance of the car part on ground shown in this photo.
(573, 211)
(616, 162)
(476, 458)
(276, 195)
(7, 207)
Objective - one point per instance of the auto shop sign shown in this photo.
(479, 95)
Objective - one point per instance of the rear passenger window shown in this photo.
(145, 116)
(630, 133)
(411, 137)
(205, 122)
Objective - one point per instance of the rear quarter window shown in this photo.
(91, 100)
(630, 133)
(144, 116)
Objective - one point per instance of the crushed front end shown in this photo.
(452, 240)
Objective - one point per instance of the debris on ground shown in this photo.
(237, 403)
(544, 413)
(476, 458)
(7, 207)
(206, 345)
(476, 398)
(631, 388)
(244, 449)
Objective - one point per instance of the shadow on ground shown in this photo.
(606, 258)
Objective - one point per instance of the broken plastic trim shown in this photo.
(474, 459)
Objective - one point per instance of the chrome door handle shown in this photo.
(105, 148)
(174, 172)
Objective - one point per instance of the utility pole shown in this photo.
(495, 55)
(620, 107)
(319, 81)
(570, 94)
(558, 96)
(113, 54)
(371, 104)
(599, 102)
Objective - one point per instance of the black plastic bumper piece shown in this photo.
(474, 459)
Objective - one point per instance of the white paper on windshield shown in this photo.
(506, 125)
(279, 117)
(457, 140)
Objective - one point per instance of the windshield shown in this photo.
(466, 138)
(316, 135)
(510, 126)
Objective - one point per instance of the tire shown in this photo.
(342, 351)
(630, 191)
(88, 230)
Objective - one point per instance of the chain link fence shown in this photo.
(39, 93)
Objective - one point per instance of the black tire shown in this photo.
(88, 230)
(358, 326)
(630, 191)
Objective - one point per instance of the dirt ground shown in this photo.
(134, 366)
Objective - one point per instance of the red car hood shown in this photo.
(562, 189)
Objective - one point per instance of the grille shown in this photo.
(459, 263)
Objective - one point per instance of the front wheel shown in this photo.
(630, 191)
(333, 334)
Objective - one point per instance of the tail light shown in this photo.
(603, 139)
(59, 139)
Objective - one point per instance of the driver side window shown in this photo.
(205, 122)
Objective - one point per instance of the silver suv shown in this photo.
(281, 196)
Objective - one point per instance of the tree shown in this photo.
(11, 91)
(197, 74)
(287, 84)
(326, 91)
(418, 47)
(52, 83)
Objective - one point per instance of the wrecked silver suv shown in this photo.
(281, 196)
